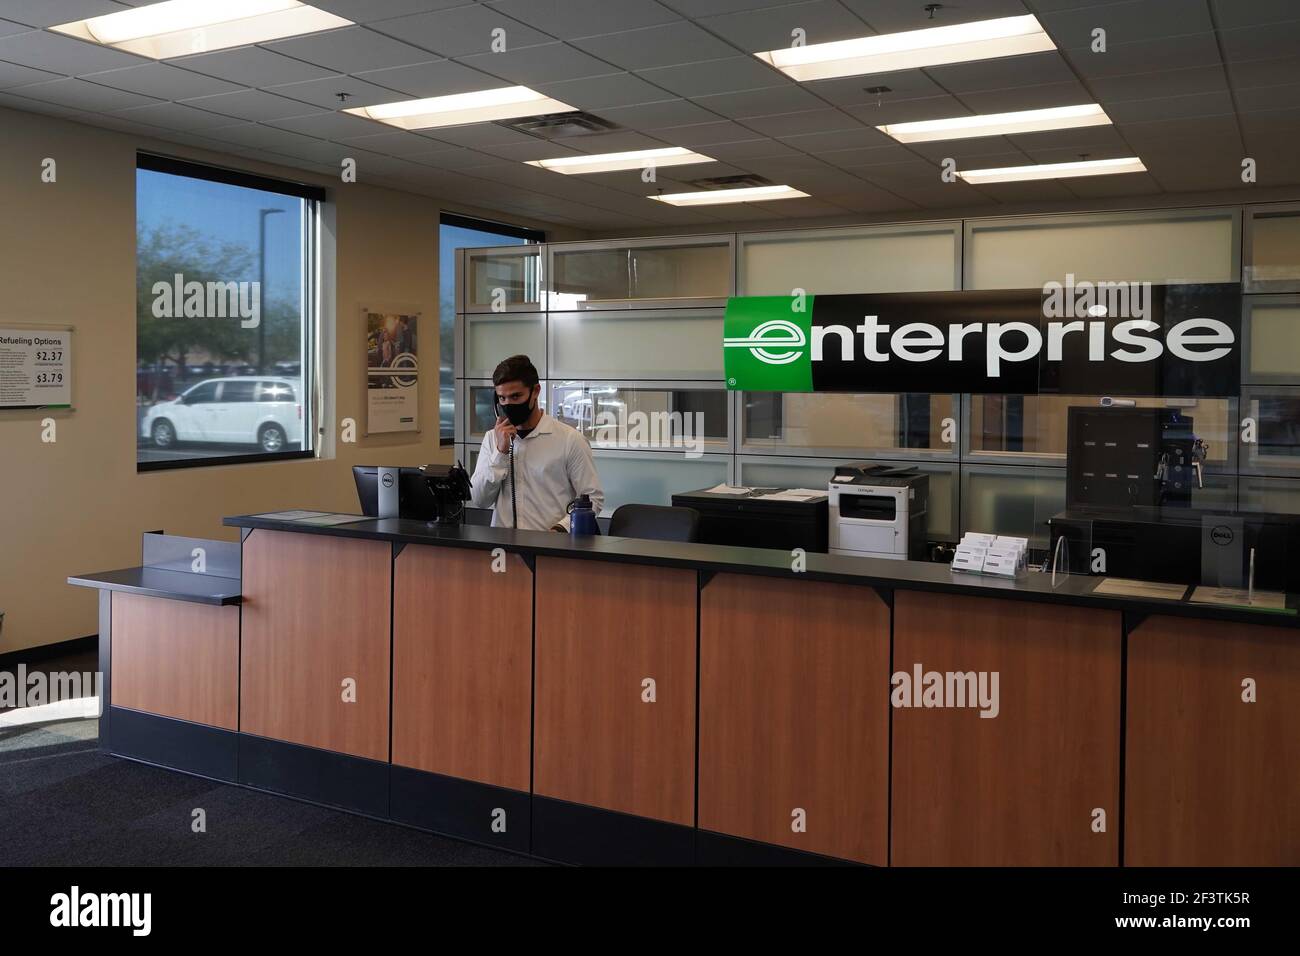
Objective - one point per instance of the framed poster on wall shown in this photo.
(392, 369)
(35, 367)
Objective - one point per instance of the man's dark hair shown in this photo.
(517, 368)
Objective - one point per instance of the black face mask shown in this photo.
(517, 413)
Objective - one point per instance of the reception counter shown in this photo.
(616, 700)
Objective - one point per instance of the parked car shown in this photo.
(237, 410)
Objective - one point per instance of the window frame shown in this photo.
(309, 388)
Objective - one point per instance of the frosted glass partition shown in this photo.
(1011, 500)
(826, 423)
(1159, 247)
(652, 478)
(1272, 262)
(490, 337)
(503, 280)
(1273, 495)
(662, 344)
(1271, 340)
(941, 515)
(1275, 411)
(644, 414)
(654, 272)
(897, 258)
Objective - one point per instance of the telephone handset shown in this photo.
(500, 413)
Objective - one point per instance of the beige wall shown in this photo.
(67, 256)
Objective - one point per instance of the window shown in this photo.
(460, 232)
(225, 315)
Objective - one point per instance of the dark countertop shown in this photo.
(158, 582)
(878, 573)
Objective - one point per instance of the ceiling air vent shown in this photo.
(729, 182)
(560, 125)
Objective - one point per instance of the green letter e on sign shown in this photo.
(767, 345)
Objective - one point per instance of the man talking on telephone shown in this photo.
(530, 466)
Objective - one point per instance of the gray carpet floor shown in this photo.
(62, 803)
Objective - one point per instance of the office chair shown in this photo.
(654, 521)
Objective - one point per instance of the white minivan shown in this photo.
(244, 409)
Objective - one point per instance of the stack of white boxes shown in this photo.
(990, 554)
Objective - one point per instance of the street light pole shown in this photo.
(261, 286)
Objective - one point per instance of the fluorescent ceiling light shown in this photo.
(483, 106)
(1091, 167)
(178, 27)
(633, 159)
(998, 124)
(982, 40)
(715, 197)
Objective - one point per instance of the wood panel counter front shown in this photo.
(603, 630)
(316, 614)
(1022, 788)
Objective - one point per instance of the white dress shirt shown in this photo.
(553, 465)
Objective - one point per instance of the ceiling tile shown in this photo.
(531, 66)
(461, 31)
(650, 47)
(703, 134)
(856, 137)
(324, 92)
(350, 50)
(1069, 93)
(891, 16)
(1268, 97)
(368, 11)
(908, 111)
(48, 13)
(328, 125)
(779, 99)
(1005, 73)
(731, 75)
(651, 116)
(743, 150)
(1142, 86)
(251, 66)
(258, 136)
(11, 75)
(163, 82)
(12, 100)
(616, 142)
(1275, 72)
(479, 135)
(175, 116)
(431, 78)
(1171, 53)
(852, 90)
(252, 105)
(1233, 13)
(567, 19)
(1262, 42)
(1127, 22)
(82, 95)
(1171, 107)
(867, 156)
(614, 89)
(60, 54)
(822, 21)
(8, 28)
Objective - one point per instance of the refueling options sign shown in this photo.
(1067, 338)
(35, 368)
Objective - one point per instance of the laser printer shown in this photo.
(878, 511)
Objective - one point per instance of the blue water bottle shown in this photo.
(582, 519)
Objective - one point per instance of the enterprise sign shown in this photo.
(1085, 339)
